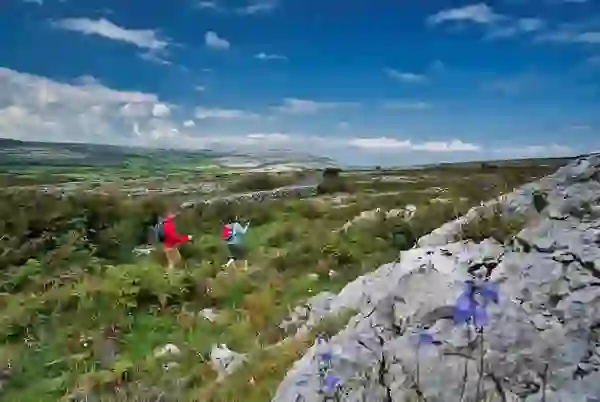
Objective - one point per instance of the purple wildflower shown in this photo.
(470, 307)
(323, 352)
(331, 383)
(488, 291)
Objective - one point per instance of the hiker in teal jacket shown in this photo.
(233, 235)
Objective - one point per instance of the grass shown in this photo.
(492, 223)
(64, 300)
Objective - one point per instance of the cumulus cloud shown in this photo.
(84, 110)
(258, 7)
(37, 108)
(212, 40)
(255, 7)
(479, 13)
(160, 110)
(516, 27)
(155, 57)
(498, 25)
(265, 56)
(405, 76)
(307, 106)
(395, 145)
(143, 38)
(224, 114)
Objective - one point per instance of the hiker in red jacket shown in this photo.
(171, 240)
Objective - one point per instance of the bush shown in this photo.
(259, 182)
(492, 223)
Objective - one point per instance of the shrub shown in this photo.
(492, 223)
(258, 182)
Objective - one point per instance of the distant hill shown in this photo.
(15, 153)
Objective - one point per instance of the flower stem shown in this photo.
(480, 378)
(466, 367)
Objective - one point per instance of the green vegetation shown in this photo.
(492, 223)
(81, 314)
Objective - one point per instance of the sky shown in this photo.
(385, 82)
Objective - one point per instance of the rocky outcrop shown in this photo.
(260, 196)
(542, 341)
(406, 213)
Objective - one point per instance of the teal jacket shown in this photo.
(238, 233)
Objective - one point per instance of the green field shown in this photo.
(81, 314)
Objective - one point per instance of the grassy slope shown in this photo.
(58, 320)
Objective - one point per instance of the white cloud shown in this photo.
(498, 26)
(143, 38)
(211, 39)
(138, 110)
(568, 36)
(343, 125)
(405, 76)
(395, 145)
(200, 88)
(37, 108)
(407, 105)
(307, 106)
(84, 110)
(154, 57)
(268, 137)
(530, 24)
(224, 114)
(265, 56)
(208, 4)
(160, 110)
(300, 141)
(513, 28)
(258, 7)
(254, 7)
(38, 2)
(478, 13)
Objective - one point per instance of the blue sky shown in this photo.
(364, 81)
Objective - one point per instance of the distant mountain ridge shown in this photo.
(17, 152)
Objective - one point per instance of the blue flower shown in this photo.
(489, 292)
(323, 355)
(331, 383)
(469, 308)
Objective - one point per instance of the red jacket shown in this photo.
(170, 237)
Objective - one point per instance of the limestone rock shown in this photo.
(543, 336)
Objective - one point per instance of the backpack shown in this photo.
(158, 233)
(227, 233)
